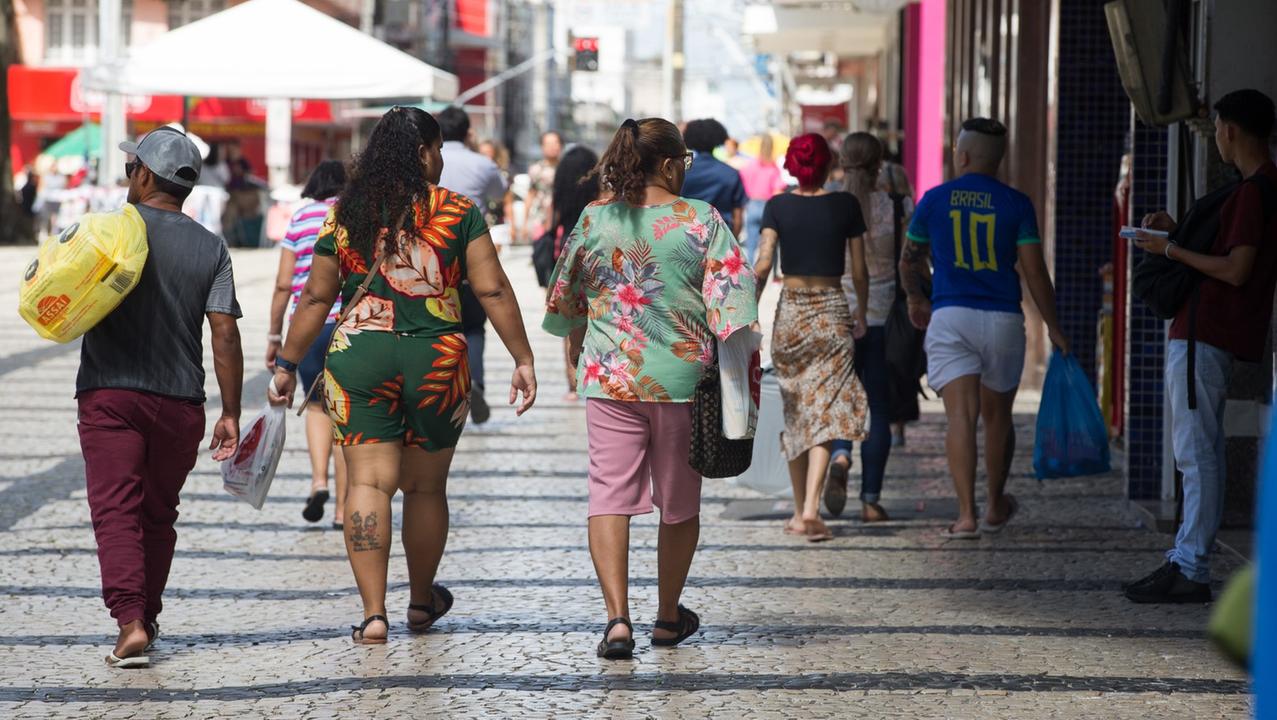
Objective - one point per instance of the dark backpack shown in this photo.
(1164, 285)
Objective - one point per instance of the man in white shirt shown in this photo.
(478, 178)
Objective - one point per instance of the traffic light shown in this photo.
(586, 54)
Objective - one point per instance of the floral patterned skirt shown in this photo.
(813, 351)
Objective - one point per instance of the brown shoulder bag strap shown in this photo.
(362, 290)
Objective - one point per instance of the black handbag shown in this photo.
(543, 257)
(906, 358)
(711, 454)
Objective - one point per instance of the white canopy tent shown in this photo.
(277, 50)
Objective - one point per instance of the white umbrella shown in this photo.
(272, 49)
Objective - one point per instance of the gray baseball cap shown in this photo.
(168, 153)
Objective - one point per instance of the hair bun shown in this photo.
(807, 158)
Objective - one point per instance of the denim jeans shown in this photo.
(475, 342)
(1197, 439)
(753, 228)
(474, 322)
(871, 368)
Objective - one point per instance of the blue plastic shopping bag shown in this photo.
(1072, 439)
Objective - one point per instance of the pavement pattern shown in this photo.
(887, 620)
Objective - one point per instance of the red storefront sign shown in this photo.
(56, 94)
(47, 103)
(814, 117)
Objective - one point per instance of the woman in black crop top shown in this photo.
(813, 339)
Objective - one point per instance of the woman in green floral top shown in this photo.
(396, 383)
(646, 285)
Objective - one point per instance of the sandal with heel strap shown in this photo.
(686, 626)
(357, 631)
(617, 649)
(152, 634)
(442, 593)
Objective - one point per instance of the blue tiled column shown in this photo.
(1094, 119)
(1146, 333)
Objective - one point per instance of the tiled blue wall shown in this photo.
(1094, 120)
(1146, 333)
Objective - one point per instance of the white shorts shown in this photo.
(964, 341)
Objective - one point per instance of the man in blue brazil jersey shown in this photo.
(974, 230)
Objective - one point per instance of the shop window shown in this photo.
(71, 30)
(71, 35)
(184, 12)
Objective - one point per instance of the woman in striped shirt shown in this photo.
(295, 254)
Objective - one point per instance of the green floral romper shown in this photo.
(397, 368)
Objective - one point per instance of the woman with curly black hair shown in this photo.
(397, 380)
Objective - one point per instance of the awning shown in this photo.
(83, 141)
(273, 49)
(844, 29)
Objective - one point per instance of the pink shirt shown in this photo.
(762, 180)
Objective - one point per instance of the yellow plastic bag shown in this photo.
(81, 276)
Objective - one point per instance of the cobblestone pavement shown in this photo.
(885, 621)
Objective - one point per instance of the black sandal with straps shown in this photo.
(357, 631)
(152, 633)
(686, 626)
(617, 649)
(443, 594)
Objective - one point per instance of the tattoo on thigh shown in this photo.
(363, 532)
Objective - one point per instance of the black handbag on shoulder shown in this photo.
(543, 257)
(711, 454)
(906, 356)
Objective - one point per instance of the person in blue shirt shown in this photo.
(974, 230)
(711, 179)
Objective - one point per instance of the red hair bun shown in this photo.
(808, 158)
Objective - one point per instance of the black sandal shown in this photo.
(446, 596)
(617, 649)
(152, 634)
(357, 631)
(687, 625)
(314, 511)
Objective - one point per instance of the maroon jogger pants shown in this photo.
(138, 449)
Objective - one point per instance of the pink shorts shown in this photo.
(638, 457)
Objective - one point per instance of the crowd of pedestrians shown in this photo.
(389, 275)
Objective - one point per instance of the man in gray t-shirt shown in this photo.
(140, 390)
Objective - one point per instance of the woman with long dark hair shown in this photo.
(296, 253)
(813, 339)
(861, 158)
(397, 382)
(576, 185)
(647, 284)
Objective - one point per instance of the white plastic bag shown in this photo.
(739, 376)
(769, 472)
(248, 473)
